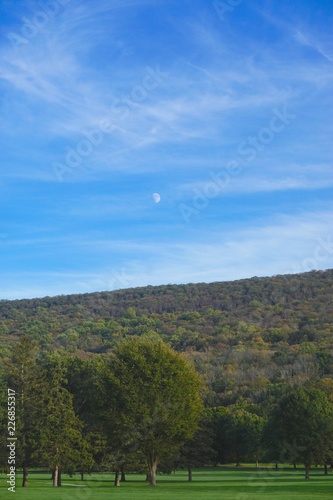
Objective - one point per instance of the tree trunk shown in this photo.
(295, 466)
(59, 477)
(189, 468)
(55, 476)
(117, 478)
(307, 471)
(152, 472)
(257, 464)
(82, 476)
(276, 466)
(25, 481)
(325, 470)
(123, 475)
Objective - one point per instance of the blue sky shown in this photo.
(223, 109)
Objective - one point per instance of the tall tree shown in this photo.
(153, 399)
(238, 434)
(60, 441)
(23, 376)
(81, 381)
(199, 450)
(303, 419)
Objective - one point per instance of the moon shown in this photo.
(156, 197)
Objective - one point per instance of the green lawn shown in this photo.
(210, 484)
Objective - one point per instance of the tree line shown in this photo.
(143, 408)
(247, 338)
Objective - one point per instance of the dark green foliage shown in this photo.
(247, 338)
(252, 342)
(199, 451)
(152, 396)
(238, 434)
(290, 308)
(23, 375)
(301, 427)
(60, 442)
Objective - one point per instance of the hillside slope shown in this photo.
(247, 337)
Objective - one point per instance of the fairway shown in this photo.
(209, 484)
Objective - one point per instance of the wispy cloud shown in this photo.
(233, 254)
(132, 97)
(259, 180)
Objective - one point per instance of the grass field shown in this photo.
(208, 484)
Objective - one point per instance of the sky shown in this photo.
(147, 142)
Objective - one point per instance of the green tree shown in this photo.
(61, 445)
(237, 434)
(153, 399)
(303, 420)
(82, 378)
(255, 428)
(23, 376)
(199, 450)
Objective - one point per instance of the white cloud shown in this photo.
(223, 82)
(289, 244)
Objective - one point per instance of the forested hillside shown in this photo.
(256, 377)
(248, 338)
